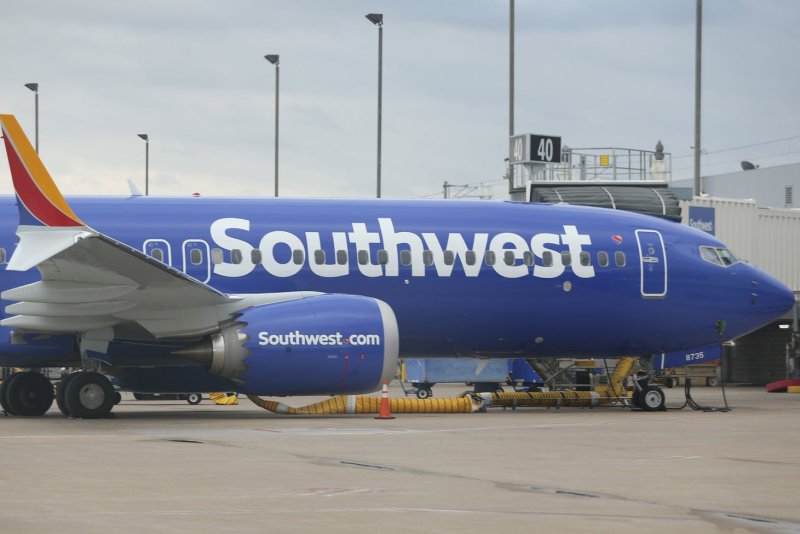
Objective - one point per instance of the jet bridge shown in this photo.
(609, 177)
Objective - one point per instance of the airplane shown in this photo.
(296, 296)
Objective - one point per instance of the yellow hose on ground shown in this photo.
(467, 403)
(364, 404)
(223, 399)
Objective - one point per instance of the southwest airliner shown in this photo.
(283, 297)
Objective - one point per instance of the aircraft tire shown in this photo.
(60, 390)
(30, 394)
(4, 393)
(89, 395)
(652, 399)
(194, 398)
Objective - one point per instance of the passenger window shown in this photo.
(527, 258)
(602, 258)
(470, 256)
(619, 258)
(3, 255)
(319, 257)
(216, 256)
(156, 254)
(299, 256)
(363, 257)
(427, 258)
(341, 257)
(236, 256)
(547, 258)
(489, 259)
(255, 256)
(405, 257)
(196, 256)
(383, 257)
(586, 260)
(449, 257)
(566, 259)
(508, 257)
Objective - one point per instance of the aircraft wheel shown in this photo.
(60, 390)
(194, 398)
(29, 394)
(4, 393)
(669, 382)
(652, 399)
(89, 395)
(424, 393)
(117, 397)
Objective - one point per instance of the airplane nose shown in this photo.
(773, 297)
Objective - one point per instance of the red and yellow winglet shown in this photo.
(40, 201)
(47, 224)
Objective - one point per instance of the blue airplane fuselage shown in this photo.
(464, 278)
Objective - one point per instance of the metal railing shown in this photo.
(606, 164)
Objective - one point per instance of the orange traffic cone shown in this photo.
(384, 412)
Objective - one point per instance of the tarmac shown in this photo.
(166, 466)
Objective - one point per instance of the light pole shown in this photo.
(146, 163)
(697, 73)
(275, 60)
(510, 92)
(377, 19)
(35, 88)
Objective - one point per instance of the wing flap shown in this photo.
(58, 324)
(66, 292)
(84, 309)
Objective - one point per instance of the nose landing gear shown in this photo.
(646, 396)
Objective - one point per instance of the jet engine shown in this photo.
(321, 345)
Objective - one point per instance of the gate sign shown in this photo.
(534, 148)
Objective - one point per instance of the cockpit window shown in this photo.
(718, 256)
(727, 256)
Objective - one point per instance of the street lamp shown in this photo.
(275, 60)
(697, 87)
(146, 140)
(377, 19)
(35, 88)
(510, 91)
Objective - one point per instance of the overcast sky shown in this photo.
(192, 75)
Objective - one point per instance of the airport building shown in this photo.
(752, 211)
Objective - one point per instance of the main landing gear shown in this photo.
(82, 395)
(27, 394)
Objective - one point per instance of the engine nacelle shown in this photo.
(321, 345)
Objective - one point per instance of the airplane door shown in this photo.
(653, 263)
(196, 260)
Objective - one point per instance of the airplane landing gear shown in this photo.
(86, 395)
(26, 394)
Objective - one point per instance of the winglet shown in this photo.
(40, 201)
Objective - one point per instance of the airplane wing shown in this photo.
(90, 281)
